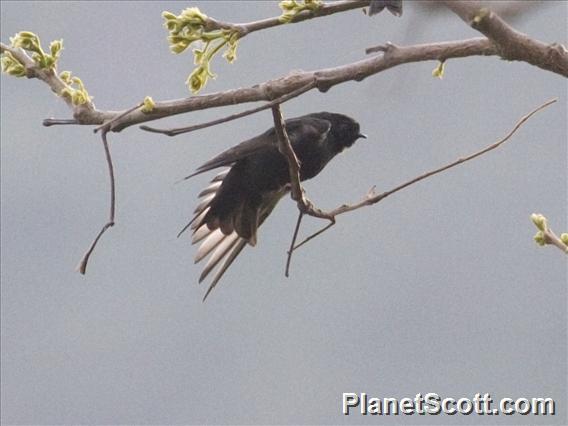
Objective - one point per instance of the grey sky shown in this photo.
(437, 289)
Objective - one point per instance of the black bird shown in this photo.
(240, 198)
(394, 6)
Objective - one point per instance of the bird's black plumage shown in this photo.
(239, 199)
(394, 6)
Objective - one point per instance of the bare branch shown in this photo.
(82, 266)
(59, 122)
(250, 27)
(506, 9)
(511, 44)
(174, 132)
(373, 198)
(314, 235)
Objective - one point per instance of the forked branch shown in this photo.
(373, 198)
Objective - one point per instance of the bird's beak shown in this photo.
(362, 135)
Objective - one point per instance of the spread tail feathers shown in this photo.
(221, 238)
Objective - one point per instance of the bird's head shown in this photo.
(344, 130)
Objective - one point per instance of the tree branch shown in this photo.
(324, 79)
(511, 44)
(373, 198)
(84, 114)
(285, 148)
(325, 10)
(278, 101)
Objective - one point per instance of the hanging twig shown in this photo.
(291, 250)
(82, 267)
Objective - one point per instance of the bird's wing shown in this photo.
(305, 128)
(242, 150)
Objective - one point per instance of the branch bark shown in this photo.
(325, 10)
(511, 45)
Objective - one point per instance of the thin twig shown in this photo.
(108, 124)
(291, 250)
(263, 24)
(372, 198)
(82, 267)
(315, 234)
(59, 121)
(278, 101)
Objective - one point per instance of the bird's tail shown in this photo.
(222, 238)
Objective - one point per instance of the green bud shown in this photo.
(231, 53)
(540, 238)
(168, 15)
(564, 238)
(66, 77)
(439, 70)
(313, 4)
(192, 15)
(198, 56)
(198, 78)
(55, 47)
(47, 62)
(179, 47)
(12, 66)
(79, 98)
(26, 34)
(67, 92)
(481, 15)
(148, 104)
(78, 82)
(287, 5)
(540, 221)
(232, 39)
(26, 40)
(291, 8)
